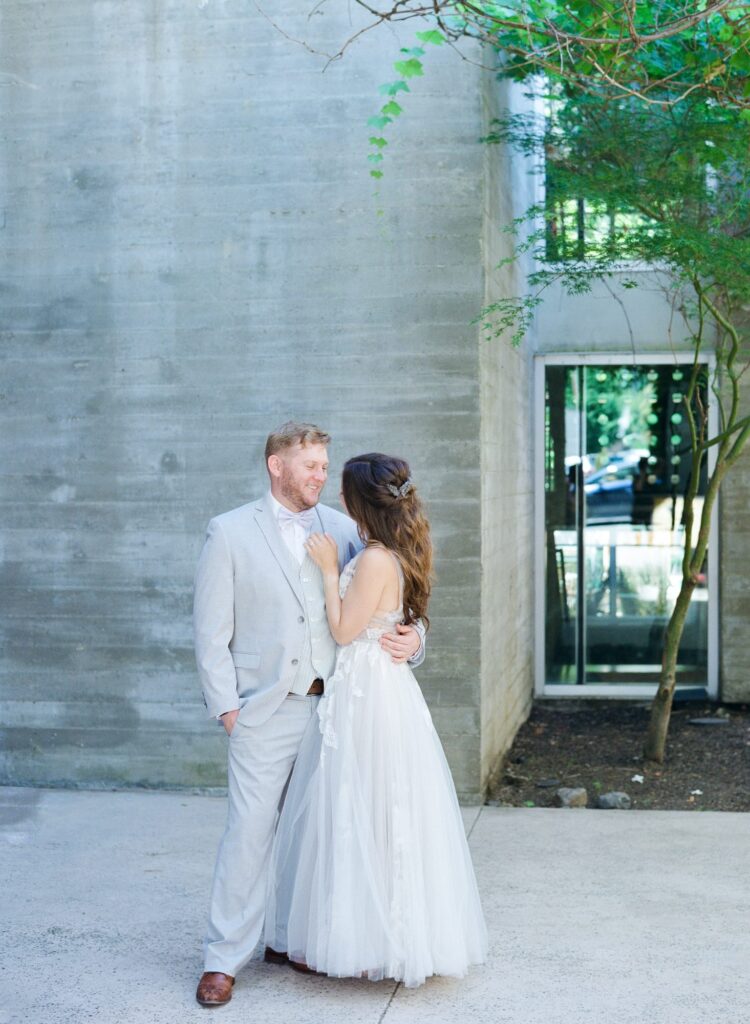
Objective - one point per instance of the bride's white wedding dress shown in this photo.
(370, 872)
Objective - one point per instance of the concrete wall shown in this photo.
(735, 573)
(507, 460)
(611, 318)
(192, 254)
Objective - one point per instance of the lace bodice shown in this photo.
(378, 624)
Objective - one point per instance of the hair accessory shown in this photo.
(402, 491)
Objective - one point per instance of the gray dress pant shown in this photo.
(261, 758)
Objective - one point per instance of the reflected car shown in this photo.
(609, 494)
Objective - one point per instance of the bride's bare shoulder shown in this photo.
(377, 560)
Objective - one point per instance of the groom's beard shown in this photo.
(297, 496)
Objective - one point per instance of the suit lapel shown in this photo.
(268, 526)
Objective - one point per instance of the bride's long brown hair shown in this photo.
(383, 502)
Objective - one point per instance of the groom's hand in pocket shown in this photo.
(228, 719)
(401, 645)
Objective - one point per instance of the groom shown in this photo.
(264, 652)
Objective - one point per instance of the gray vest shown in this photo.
(319, 649)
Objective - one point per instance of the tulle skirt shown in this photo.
(371, 874)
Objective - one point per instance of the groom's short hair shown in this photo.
(291, 433)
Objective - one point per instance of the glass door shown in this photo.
(616, 468)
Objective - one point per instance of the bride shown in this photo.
(370, 873)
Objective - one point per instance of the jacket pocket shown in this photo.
(245, 659)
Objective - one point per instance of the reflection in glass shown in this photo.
(617, 465)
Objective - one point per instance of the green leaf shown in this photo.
(379, 122)
(391, 109)
(433, 36)
(391, 88)
(415, 51)
(376, 174)
(409, 68)
(377, 140)
(529, 803)
(375, 158)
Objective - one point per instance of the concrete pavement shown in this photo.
(595, 917)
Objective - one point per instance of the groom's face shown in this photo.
(301, 475)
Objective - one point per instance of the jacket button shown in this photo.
(301, 618)
(295, 661)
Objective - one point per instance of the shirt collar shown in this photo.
(275, 505)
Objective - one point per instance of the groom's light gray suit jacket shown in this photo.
(249, 609)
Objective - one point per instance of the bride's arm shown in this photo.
(375, 570)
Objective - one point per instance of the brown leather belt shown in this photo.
(316, 688)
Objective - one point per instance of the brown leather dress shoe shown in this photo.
(272, 956)
(214, 988)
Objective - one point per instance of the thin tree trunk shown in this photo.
(661, 708)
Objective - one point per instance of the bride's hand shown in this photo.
(323, 550)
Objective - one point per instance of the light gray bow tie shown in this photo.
(305, 519)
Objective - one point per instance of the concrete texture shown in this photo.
(640, 318)
(192, 253)
(594, 916)
(734, 521)
(507, 437)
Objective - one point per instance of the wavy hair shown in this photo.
(382, 501)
